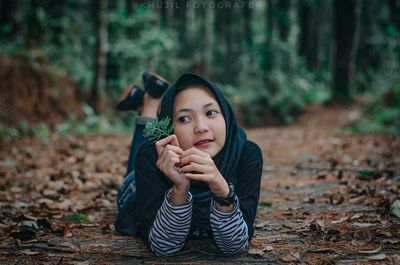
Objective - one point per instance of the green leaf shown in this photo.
(77, 217)
(395, 208)
(156, 130)
(264, 204)
(366, 173)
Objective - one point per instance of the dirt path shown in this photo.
(325, 197)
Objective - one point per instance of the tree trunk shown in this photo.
(208, 41)
(34, 24)
(283, 20)
(308, 43)
(368, 56)
(56, 10)
(9, 16)
(324, 36)
(229, 58)
(269, 20)
(344, 28)
(266, 62)
(180, 19)
(248, 32)
(99, 82)
(129, 6)
(163, 14)
(394, 6)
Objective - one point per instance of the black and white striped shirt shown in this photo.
(172, 224)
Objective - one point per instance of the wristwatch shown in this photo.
(226, 201)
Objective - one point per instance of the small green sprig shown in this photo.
(156, 130)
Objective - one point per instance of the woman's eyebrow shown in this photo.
(191, 110)
(209, 105)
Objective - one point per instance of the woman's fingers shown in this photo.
(175, 149)
(199, 177)
(194, 150)
(195, 167)
(174, 140)
(185, 160)
(161, 144)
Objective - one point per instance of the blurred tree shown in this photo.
(368, 55)
(283, 19)
(181, 22)
(208, 41)
(269, 21)
(344, 28)
(315, 33)
(269, 32)
(164, 14)
(99, 81)
(35, 23)
(395, 20)
(308, 36)
(395, 13)
(247, 28)
(10, 18)
(224, 27)
(55, 11)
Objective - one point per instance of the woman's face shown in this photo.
(199, 121)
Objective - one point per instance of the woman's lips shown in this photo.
(204, 143)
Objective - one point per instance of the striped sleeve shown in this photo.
(171, 226)
(230, 231)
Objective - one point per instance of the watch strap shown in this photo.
(226, 201)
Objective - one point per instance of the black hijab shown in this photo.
(226, 160)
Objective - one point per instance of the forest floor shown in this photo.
(325, 199)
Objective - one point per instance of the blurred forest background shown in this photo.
(64, 64)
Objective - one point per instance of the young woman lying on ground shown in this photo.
(203, 181)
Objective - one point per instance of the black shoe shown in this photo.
(132, 99)
(154, 84)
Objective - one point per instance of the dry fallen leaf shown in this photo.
(292, 257)
(370, 251)
(268, 248)
(67, 230)
(377, 257)
(256, 252)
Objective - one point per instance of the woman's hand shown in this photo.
(198, 165)
(169, 153)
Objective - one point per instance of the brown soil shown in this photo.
(325, 199)
(30, 92)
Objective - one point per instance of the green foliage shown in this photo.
(271, 84)
(156, 130)
(278, 95)
(381, 114)
(136, 45)
(40, 130)
(108, 123)
(67, 42)
(264, 204)
(76, 217)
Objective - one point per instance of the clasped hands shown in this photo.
(182, 166)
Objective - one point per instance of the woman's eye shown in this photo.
(212, 113)
(183, 119)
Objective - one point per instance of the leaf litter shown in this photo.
(327, 197)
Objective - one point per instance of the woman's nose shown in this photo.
(200, 126)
